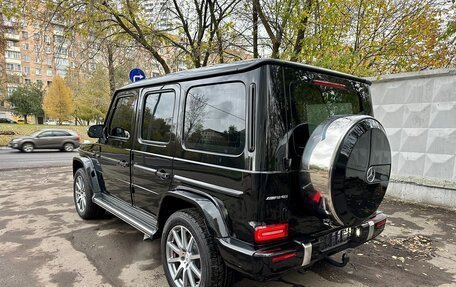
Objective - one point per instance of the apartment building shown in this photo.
(32, 53)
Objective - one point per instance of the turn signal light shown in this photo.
(271, 232)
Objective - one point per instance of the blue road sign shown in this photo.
(136, 75)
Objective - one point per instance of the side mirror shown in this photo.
(95, 131)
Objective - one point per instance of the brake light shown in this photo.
(329, 84)
(317, 196)
(283, 257)
(78, 138)
(271, 232)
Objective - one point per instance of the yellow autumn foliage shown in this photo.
(58, 101)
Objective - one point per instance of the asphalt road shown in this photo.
(43, 242)
(14, 159)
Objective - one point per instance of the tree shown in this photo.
(93, 96)
(58, 101)
(26, 100)
(359, 37)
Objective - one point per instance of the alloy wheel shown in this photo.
(79, 193)
(27, 147)
(68, 147)
(183, 257)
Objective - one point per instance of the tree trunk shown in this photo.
(255, 32)
(25, 118)
(112, 80)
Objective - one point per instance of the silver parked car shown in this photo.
(65, 140)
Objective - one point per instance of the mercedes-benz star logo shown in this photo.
(370, 175)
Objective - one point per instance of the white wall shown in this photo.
(418, 111)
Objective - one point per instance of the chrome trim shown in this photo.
(108, 158)
(307, 253)
(228, 168)
(144, 168)
(213, 187)
(213, 153)
(124, 216)
(285, 196)
(143, 188)
(152, 154)
(320, 154)
(371, 230)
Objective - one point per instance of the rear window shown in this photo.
(314, 101)
(299, 101)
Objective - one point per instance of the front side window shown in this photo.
(121, 119)
(158, 116)
(46, 134)
(214, 118)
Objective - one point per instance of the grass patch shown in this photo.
(23, 130)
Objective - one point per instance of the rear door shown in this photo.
(44, 139)
(154, 146)
(59, 138)
(115, 148)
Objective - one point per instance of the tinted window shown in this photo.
(45, 134)
(121, 119)
(158, 116)
(215, 118)
(61, 134)
(314, 101)
(299, 100)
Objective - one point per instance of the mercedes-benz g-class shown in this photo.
(260, 166)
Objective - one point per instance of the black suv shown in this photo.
(259, 166)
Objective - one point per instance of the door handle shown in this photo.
(162, 174)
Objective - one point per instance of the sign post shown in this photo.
(136, 75)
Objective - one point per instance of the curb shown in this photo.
(34, 167)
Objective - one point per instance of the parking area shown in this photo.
(44, 243)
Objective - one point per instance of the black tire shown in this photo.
(89, 210)
(214, 272)
(68, 147)
(27, 147)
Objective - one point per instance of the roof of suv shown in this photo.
(236, 67)
(59, 130)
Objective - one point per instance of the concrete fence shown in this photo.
(418, 111)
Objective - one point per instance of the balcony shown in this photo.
(13, 37)
(12, 61)
(14, 48)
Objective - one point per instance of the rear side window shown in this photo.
(61, 134)
(158, 116)
(215, 118)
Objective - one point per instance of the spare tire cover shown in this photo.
(347, 164)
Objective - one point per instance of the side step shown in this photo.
(140, 220)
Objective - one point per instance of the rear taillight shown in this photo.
(271, 232)
(78, 138)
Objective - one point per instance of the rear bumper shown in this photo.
(272, 261)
